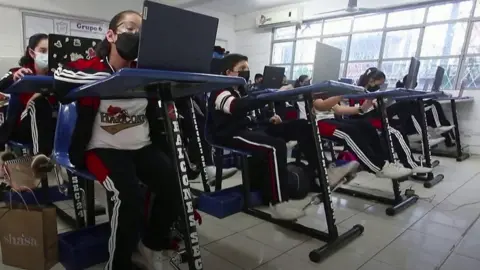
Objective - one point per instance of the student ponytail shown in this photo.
(370, 74)
(33, 41)
(103, 48)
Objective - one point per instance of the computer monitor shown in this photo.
(412, 73)
(63, 49)
(327, 63)
(437, 83)
(176, 39)
(272, 77)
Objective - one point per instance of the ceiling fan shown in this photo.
(352, 7)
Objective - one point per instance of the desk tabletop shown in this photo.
(131, 83)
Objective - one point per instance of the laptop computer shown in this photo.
(272, 77)
(327, 63)
(170, 43)
(63, 49)
(437, 83)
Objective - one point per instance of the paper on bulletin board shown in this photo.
(52, 24)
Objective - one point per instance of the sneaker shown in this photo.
(283, 211)
(212, 171)
(442, 129)
(393, 171)
(5, 156)
(435, 141)
(39, 165)
(420, 169)
(415, 137)
(337, 174)
(144, 258)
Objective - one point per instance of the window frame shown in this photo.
(470, 20)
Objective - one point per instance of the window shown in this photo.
(471, 75)
(450, 11)
(406, 17)
(337, 26)
(282, 53)
(444, 39)
(395, 71)
(305, 50)
(477, 9)
(365, 46)
(338, 42)
(310, 30)
(371, 22)
(434, 33)
(474, 44)
(400, 44)
(284, 33)
(428, 68)
(354, 70)
(299, 70)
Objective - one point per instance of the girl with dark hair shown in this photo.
(437, 121)
(120, 142)
(32, 122)
(372, 80)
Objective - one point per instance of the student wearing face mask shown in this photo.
(32, 122)
(372, 80)
(119, 141)
(231, 124)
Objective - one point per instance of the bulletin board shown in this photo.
(34, 23)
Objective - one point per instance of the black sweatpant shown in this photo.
(119, 171)
(360, 137)
(270, 144)
(37, 126)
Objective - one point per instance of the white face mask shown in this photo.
(41, 60)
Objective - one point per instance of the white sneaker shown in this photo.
(337, 174)
(144, 258)
(393, 171)
(212, 170)
(442, 129)
(415, 137)
(420, 169)
(283, 211)
(435, 141)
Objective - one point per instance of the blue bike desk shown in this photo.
(134, 83)
(167, 86)
(323, 89)
(31, 84)
(331, 236)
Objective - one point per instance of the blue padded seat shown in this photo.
(67, 117)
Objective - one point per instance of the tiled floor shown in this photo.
(441, 231)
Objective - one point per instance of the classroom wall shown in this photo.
(256, 44)
(11, 35)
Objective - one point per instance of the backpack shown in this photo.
(300, 180)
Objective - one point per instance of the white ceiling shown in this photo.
(236, 7)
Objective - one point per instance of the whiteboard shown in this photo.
(55, 24)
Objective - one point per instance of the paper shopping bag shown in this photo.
(28, 236)
(18, 173)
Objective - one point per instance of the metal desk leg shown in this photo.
(460, 155)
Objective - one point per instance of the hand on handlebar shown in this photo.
(20, 73)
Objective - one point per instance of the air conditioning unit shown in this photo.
(279, 18)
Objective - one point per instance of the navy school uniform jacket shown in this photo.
(230, 112)
(87, 71)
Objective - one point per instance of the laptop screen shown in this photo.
(176, 39)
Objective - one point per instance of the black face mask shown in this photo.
(127, 45)
(373, 88)
(244, 74)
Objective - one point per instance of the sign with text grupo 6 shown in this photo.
(95, 28)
